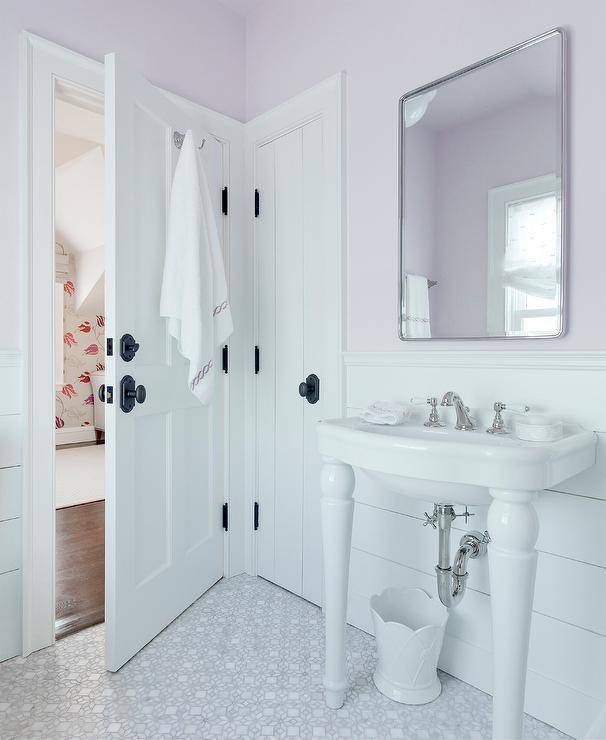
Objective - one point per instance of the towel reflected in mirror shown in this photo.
(416, 320)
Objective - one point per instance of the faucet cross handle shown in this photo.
(431, 519)
(466, 514)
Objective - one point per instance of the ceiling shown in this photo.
(79, 167)
(527, 75)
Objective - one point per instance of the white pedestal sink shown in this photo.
(449, 466)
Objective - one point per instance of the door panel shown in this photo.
(298, 326)
(164, 540)
(320, 328)
(152, 535)
(289, 360)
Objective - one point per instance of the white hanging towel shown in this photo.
(416, 313)
(194, 291)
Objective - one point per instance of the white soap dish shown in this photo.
(539, 429)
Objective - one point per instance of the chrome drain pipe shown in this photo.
(452, 580)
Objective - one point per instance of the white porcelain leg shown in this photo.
(337, 483)
(513, 526)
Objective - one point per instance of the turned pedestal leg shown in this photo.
(513, 528)
(337, 483)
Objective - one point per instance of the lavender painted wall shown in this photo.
(420, 201)
(388, 47)
(193, 47)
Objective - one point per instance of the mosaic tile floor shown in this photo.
(245, 661)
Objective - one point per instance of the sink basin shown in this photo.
(447, 465)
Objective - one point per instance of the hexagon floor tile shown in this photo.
(244, 661)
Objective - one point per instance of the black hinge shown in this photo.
(257, 361)
(224, 201)
(225, 517)
(256, 516)
(256, 203)
(225, 359)
(109, 352)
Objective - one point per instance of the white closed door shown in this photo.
(165, 490)
(297, 243)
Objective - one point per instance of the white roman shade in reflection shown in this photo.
(531, 262)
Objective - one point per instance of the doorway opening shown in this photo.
(79, 321)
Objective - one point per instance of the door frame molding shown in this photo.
(327, 100)
(40, 63)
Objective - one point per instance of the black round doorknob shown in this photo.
(310, 388)
(139, 393)
(102, 393)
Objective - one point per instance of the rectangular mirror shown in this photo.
(482, 199)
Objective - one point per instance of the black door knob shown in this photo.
(139, 393)
(130, 395)
(310, 388)
(102, 393)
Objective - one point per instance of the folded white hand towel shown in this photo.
(386, 412)
(194, 291)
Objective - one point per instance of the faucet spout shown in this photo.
(464, 421)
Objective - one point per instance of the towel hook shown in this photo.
(178, 140)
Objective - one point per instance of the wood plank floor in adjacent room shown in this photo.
(80, 575)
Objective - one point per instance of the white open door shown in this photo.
(165, 478)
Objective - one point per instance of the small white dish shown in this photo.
(539, 429)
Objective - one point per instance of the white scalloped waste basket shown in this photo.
(409, 628)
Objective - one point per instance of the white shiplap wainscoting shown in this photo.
(10, 504)
(567, 661)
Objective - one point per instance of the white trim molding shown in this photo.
(41, 64)
(74, 435)
(493, 359)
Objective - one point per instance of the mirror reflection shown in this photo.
(481, 199)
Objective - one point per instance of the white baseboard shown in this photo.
(73, 435)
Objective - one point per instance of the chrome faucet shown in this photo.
(464, 421)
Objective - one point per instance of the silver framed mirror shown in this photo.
(482, 198)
